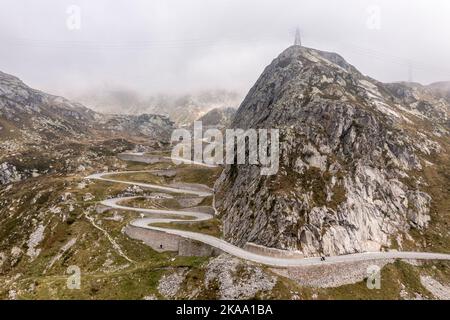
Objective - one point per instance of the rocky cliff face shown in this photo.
(352, 152)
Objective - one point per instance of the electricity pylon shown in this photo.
(298, 38)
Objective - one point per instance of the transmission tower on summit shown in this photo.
(298, 38)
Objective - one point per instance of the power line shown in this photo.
(227, 40)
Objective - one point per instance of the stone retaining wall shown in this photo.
(272, 252)
(139, 158)
(169, 242)
(153, 238)
(330, 275)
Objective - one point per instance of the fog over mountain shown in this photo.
(164, 46)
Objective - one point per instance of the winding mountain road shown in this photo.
(180, 215)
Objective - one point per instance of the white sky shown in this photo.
(184, 45)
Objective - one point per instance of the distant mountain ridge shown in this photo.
(182, 109)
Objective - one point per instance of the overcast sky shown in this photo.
(184, 45)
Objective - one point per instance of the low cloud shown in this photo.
(180, 46)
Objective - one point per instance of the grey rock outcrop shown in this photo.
(8, 173)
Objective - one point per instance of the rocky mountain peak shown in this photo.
(348, 145)
(310, 75)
